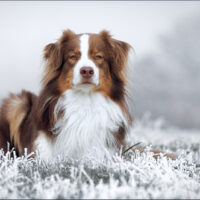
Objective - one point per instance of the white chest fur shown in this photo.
(88, 126)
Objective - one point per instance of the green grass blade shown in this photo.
(131, 147)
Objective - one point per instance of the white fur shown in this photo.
(84, 61)
(89, 122)
(90, 119)
(43, 146)
(88, 126)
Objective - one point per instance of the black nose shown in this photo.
(86, 72)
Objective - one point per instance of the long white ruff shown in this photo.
(88, 126)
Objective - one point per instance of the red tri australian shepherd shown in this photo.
(82, 104)
(81, 108)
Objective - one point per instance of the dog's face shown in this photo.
(87, 62)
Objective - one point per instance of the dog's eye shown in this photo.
(73, 57)
(98, 57)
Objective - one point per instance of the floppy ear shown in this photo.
(119, 51)
(48, 50)
(53, 54)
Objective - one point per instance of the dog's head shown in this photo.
(87, 62)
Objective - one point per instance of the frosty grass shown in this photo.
(130, 176)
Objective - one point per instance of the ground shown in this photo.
(129, 176)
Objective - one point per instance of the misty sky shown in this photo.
(26, 27)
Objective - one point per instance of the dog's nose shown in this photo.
(86, 72)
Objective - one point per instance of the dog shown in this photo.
(82, 105)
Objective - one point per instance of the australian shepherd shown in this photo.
(82, 104)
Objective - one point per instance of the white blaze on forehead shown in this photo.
(84, 46)
(85, 61)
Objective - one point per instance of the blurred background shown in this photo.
(164, 34)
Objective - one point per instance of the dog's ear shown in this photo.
(119, 51)
(119, 54)
(53, 57)
(66, 36)
(48, 50)
(53, 54)
(53, 48)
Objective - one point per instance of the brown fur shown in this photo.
(23, 116)
(16, 111)
(112, 68)
(155, 152)
(13, 112)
